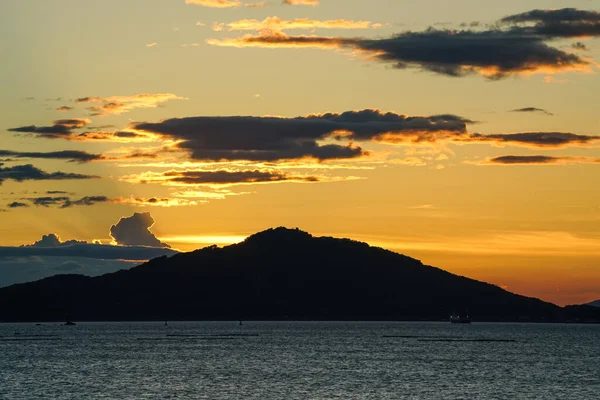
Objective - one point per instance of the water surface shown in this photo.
(299, 360)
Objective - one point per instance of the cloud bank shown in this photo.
(276, 138)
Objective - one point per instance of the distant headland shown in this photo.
(278, 274)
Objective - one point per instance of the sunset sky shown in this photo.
(463, 133)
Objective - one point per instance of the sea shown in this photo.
(299, 360)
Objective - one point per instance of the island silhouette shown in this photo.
(278, 274)
(594, 303)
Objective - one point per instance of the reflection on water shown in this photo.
(299, 360)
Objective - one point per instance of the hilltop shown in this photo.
(275, 275)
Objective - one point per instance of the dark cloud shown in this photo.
(274, 138)
(135, 231)
(579, 46)
(101, 135)
(524, 160)
(56, 192)
(62, 128)
(86, 201)
(532, 110)
(495, 54)
(67, 202)
(540, 160)
(559, 23)
(88, 99)
(232, 177)
(48, 201)
(536, 139)
(139, 155)
(71, 155)
(564, 15)
(519, 44)
(16, 204)
(20, 173)
(472, 24)
(127, 134)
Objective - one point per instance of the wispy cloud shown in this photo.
(215, 3)
(313, 3)
(116, 105)
(532, 110)
(220, 178)
(157, 201)
(279, 24)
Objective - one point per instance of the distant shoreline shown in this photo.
(305, 321)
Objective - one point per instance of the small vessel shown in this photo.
(459, 319)
(68, 321)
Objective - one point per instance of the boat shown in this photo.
(68, 321)
(459, 319)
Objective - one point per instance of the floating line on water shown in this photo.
(232, 335)
(29, 339)
(418, 337)
(38, 336)
(174, 339)
(447, 339)
(470, 340)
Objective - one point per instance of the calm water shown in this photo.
(299, 361)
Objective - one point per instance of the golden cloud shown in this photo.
(116, 105)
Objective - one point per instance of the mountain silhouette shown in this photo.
(275, 275)
(594, 303)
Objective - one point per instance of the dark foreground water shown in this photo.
(202, 360)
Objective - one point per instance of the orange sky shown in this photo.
(464, 136)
